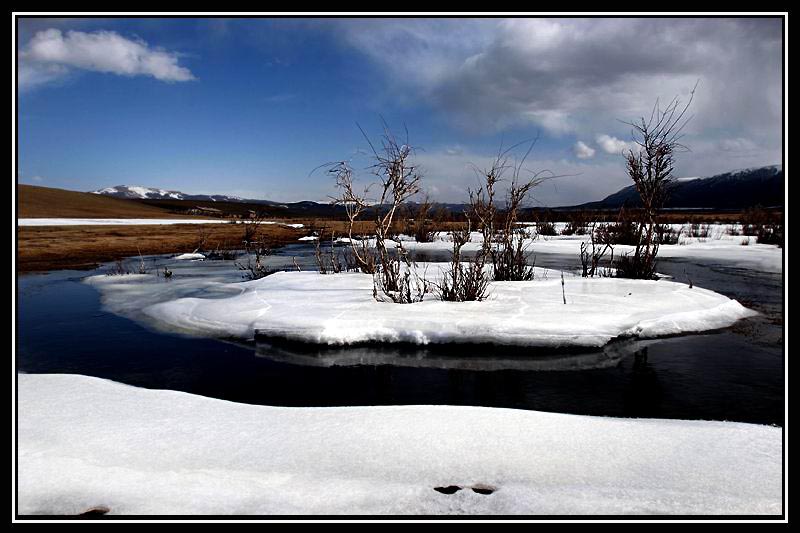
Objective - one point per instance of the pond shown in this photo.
(734, 374)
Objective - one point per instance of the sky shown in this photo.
(253, 107)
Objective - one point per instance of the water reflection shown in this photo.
(448, 357)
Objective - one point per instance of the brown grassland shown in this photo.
(82, 247)
(42, 248)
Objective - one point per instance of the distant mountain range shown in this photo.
(732, 190)
(134, 192)
(737, 189)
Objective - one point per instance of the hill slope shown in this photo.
(45, 202)
(738, 189)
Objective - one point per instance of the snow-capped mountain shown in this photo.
(151, 193)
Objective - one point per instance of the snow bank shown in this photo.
(338, 309)
(85, 442)
(190, 257)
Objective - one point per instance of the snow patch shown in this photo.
(339, 310)
(190, 257)
(85, 442)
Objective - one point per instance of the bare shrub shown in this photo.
(330, 261)
(256, 249)
(650, 167)
(202, 238)
(117, 269)
(142, 266)
(545, 226)
(398, 280)
(221, 254)
(635, 266)
(252, 230)
(624, 230)
(422, 220)
(667, 235)
(771, 234)
(254, 268)
(503, 238)
(593, 252)
(394, 275)
(760, 223)
(577, 223)
(463, 283)
(355, 204)
(699, 231)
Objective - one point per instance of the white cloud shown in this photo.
(582, 150)
(50, 54)
(581, 75)
(612, 145)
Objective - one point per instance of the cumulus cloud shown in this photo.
(612, 145)
(51, 54)
(582, 150)
(579, 76)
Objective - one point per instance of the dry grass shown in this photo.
(83, 247)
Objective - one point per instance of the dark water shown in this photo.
(735, 374)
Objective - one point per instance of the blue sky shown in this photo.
(251, 106)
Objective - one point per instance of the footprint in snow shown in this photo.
(100, 510)
(478, 489)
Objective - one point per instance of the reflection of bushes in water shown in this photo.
(457, 356)
(643, 395)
